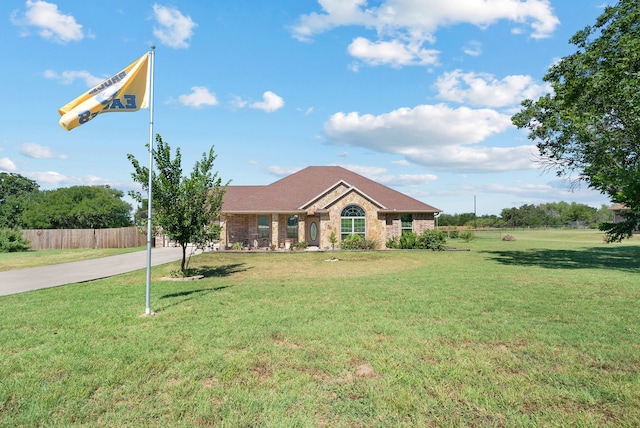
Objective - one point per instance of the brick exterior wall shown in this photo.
(421, 222)
(380, 227)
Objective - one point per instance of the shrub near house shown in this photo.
(427, 240)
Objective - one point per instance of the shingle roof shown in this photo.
(291, 193)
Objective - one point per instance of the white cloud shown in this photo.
(403, 26)
(7, 164)
(53, 179)
(270, 102)
(436, 136)
(473, 48)
(69, 76)
(516, 189)
(406, 179)
(174, 29)
(394, 53)
(482, 89)
(475, 158)
(237, 103)
(376, 173)
(381, 175)
(424, 17)
(280, 171)
(367, 171)
(200, 96)
(423, 126)
(306, 111)
(337, 13)
(49, 179)
(36, 151)
(51, 23)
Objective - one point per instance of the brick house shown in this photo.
(311, 204)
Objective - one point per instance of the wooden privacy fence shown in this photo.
(62, 239)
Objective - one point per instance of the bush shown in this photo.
(393, 243)
(433, 240)
(11, 241)
(408, 241)
(357, 242)
(428, 240)
(302, 245)
(467, 236)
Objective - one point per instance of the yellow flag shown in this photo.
(125, 91)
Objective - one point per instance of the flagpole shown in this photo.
(149, 205)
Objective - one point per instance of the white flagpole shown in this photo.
(149, 229)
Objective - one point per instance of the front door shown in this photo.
(313, 231)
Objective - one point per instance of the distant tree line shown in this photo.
(556, 214)
(24, 206)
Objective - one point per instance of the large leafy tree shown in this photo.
(589, 127)
(15, 192)
(183, 206)
(77, 207)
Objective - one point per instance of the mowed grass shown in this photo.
(543, 331)
(29, 259)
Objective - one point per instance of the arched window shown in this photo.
(352, 221)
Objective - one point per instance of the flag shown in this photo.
(126, 91)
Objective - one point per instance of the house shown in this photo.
(618, 214)
(311, 204)
(617, 209)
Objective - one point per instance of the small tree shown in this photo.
(11, 241)
(183, 206)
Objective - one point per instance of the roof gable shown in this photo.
(347, 192)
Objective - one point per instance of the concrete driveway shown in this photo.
(22, 280)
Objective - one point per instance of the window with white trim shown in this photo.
(406, 221)
(352, 221)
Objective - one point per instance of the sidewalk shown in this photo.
(23, 280)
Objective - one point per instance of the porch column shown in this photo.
(301, 228)
(274, 229)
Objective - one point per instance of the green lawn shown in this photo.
(29, 259)
(542, 331)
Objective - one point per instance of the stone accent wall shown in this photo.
(330, 222)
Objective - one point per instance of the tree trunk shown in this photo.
(184, 257)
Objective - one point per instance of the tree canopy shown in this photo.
(12, 184)
(589, 127)
(15, 191)
(77, 207)
(185, 207)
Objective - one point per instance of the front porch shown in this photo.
(264, 231)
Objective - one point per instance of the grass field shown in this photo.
(29, 259)
(541, 331)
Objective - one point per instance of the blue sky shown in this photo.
(416, 94)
